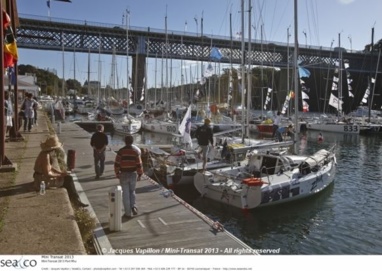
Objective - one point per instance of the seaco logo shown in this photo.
(18, 264)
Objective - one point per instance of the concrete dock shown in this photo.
(165, 223)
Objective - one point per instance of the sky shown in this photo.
(319, 24)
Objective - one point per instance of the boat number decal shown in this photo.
(350, 128)
(314, 184)
(281, 192)
(171, 129)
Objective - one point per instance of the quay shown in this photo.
(165, 224)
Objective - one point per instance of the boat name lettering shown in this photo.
(281, 192)
(314, 184)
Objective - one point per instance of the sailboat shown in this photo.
(338, 124)
(128, 124)
(267, 178)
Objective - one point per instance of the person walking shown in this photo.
(283, 130)
(8, 107)
(99, 141)
(128, 169)
(50, 167)
(204, 136)
(28, 105)
(276, 123)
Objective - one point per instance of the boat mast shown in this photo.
(296, 81)
(127, 13)
(370, 78)
(339, 105)
(63, 67)
(375, 79)
(242, 69)
(249, 75)
(89, 72)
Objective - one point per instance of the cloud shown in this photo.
(346, 2)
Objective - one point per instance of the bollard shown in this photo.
(115, 208)
(71, 160)
(52, 113)
(59, 127)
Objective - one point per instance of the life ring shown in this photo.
(253, 181)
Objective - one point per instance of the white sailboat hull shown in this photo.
(335, 127)
(237, 187)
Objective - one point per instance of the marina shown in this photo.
(322, 225)
(291, 170)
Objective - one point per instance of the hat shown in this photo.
(207, 121)
(51, 143)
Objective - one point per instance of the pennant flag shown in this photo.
(143, 91)
(209, 71)
(303, 72)
(215, 54)
(351, 94)
(185, 127)
(304, 96)
(335, 102)
(305, 106)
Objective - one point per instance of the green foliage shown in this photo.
(86, 224)
(49, 81)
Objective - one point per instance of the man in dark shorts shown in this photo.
(204, 136)
(99, 141)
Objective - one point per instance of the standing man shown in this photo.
(204, 136)
(276, 123)
(8, 107)
(128, 169)
(283, 130)
(99, 141)
(29, 104)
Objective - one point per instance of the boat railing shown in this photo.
(264, 169)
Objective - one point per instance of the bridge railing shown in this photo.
(169, 32)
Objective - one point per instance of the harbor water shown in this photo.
(344, 219)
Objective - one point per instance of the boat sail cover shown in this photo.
(185, 127)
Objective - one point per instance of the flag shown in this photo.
(305, 106)
(303, 72)
(185, 127)
(48, 3)
(143, 91)
(10, 48)
(335, 102)
(304, 96)
(209, 71)
(215, 54)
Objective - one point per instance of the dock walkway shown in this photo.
(165, 223)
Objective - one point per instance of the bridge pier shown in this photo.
(138, 75)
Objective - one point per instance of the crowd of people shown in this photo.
(27, 115)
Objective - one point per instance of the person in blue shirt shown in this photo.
(276, 123)
(283, 130)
